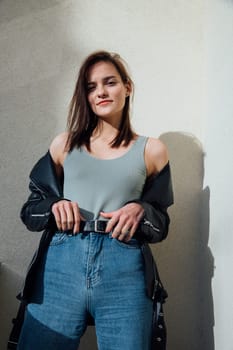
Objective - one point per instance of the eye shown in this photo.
(111, 82)
(90, 88)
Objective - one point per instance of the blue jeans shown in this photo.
(89, 274)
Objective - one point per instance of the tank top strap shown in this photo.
(137, 150)
(140, 143)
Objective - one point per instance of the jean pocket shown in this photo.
(59, 238)
(132, 244)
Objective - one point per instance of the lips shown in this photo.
(104, 102)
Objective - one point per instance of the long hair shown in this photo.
(81, 120)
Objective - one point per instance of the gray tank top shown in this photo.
(104, 184)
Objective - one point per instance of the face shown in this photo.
(106, 91)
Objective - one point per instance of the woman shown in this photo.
(101, 194)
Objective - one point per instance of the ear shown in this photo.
(128, 88)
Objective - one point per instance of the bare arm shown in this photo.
(156, 156)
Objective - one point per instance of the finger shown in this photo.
(69, 215)
(125, 221)
(131, 232)
(140, 216)
(124, 236)
(111, 224)
(125, 232)
(117, 231)
(108, 215)
(127, 227)
(77, 218)
(57, 216)
(63, 218)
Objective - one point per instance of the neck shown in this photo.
(105, 131)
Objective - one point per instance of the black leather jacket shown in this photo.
(36, 214)
(46, 189)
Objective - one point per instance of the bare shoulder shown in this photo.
(57, 148)
(156, 155)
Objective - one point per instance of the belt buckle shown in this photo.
(96, 227)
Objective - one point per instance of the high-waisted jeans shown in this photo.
(89, 274)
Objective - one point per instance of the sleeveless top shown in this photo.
(104, 184)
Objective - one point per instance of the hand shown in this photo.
(67, 215)
(123, 222)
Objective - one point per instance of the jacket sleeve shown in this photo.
(156, 197)
(45, 190)
(36, 212)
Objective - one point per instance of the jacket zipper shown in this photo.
(148, 223)
(41, 215)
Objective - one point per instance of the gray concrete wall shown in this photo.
(218, 143)
(170, 47)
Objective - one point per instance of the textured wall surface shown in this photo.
(181, 63)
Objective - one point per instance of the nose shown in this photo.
(101, 91)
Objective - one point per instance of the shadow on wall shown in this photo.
(184, 259)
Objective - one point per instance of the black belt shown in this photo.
(98, 226)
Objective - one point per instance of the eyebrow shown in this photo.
(104, 79)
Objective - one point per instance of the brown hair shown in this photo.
(81, 120)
